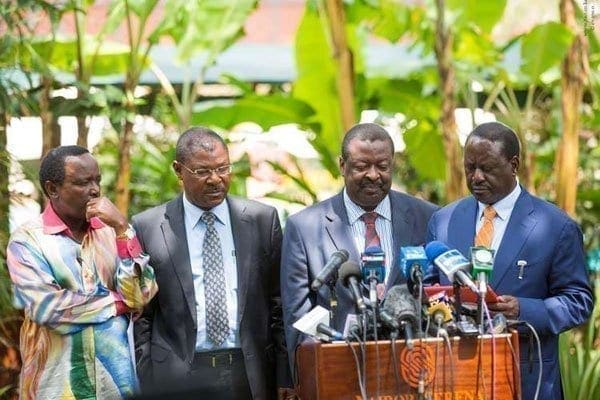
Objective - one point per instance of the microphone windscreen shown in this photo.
(400, 304)
(434, 249)
(348, 269)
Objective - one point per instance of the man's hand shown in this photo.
(107, 212)
(286, 394)
(507, 305)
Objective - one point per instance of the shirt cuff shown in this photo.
(129, 248)
(120, 306)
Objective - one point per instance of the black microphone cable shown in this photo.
(515, 362)
(486, 312)
(363, 349)
(393, 337)
(446, 341)
(539, 351)
(357, 363)
(377, 377)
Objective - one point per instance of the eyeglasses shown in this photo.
(205, 173)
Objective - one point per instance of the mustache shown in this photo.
(213, 188)
(370, 184)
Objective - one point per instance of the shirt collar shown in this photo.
(193, 213)
(503, 206)
(355, 211)
(53, 224)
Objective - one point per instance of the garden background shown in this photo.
(282, 80)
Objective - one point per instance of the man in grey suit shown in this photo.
(314, 234)
(215, 326)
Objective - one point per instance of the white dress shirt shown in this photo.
(195, 231)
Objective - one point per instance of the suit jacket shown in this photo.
(554, 293)
(314, 234)
(166, 333)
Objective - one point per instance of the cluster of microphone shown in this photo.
(410, 310)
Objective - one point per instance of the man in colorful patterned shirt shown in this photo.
(79, 274)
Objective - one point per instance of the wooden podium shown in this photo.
(474, 368)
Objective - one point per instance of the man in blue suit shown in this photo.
(314, 234)
(539, 268)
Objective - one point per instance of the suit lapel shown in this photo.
(338, 229)
(173, 229)
(520, 225)
(241, 229)
(461, 231)
(403, 230)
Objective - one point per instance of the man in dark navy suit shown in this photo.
(539, 267)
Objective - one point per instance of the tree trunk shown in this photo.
(50, 127)
(82, 131)
(574, 72)
(4, 193)
(125, 144)
(10, 320)
(455, 183)
(343, 57)
(124, 167)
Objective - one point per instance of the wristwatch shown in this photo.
(128, 234)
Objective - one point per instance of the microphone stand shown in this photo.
(481, 297)
(457, 301)
(333, 302)
(418, 275)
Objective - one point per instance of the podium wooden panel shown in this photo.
(327, 371)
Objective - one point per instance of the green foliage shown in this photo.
(482, 14)
(580, 356)
(316, 85)
(267, 111)
(153, 179)
(208, 26)
(424, 146)
(542, 48)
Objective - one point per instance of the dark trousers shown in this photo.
(218, 375)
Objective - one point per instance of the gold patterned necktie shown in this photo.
(217, 323)
(486, 232)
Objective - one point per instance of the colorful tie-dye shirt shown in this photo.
(74, 342)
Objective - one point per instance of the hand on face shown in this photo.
(107, 212)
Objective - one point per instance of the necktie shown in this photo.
(217, 324)
(371, 236)
(486, 232)
(372, 239)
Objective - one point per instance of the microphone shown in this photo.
(400, 305)
(482, 260)
(439, 310)
(413, 261)
(314, 323)
(452, 263)
(329, 331)
(336, 259)
(349, 275)
(373, 270)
